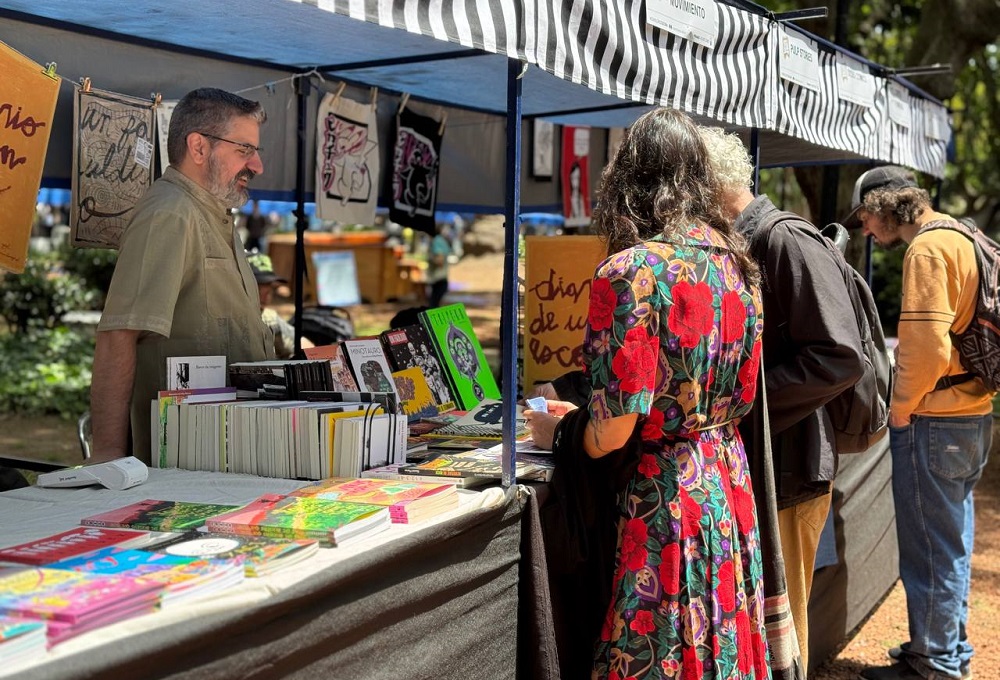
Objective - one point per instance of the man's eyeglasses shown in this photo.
(246, 150)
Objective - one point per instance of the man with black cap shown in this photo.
(940, 428)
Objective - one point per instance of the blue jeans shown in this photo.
(936, 462)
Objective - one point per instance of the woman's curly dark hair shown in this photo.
(659, 182)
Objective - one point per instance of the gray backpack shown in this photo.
(859, 414)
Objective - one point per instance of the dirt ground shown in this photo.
(477, 281)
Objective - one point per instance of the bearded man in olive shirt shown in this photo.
(182, 285)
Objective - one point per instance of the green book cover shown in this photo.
(459, 351)
(279, 516)
(154, 515)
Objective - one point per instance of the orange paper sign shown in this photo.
(27, 104)
(558, 273)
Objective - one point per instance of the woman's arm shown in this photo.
(604, 436)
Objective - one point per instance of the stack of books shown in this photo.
(154, 515)
(22, 642)
(408, 502)
(183, 578)
(330, 522)
(73, 602)
(259, 556)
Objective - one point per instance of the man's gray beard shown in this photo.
(227, 192)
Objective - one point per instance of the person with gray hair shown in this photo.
(812, 353)
(182, 285)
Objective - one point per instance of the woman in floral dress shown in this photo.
(672, 349)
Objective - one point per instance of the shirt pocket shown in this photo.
(222, 278)
(954, 448)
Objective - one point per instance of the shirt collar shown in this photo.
(212, 205)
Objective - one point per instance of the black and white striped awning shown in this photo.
(455, 52)
(609, 47)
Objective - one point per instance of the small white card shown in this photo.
(854, 83)
(799, 62)
(694, 20)
(899, 105)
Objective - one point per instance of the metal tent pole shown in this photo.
(508, 300)
(302, 87)
(755, 157)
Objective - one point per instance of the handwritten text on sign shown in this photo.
(558, 274)
(112, 165)
(27, 104)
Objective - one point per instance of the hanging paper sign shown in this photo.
(347, 165)
(694, 20)
(854, 83)
(543, 144)
(899, 105)
(164, 110)
(27, 104)
(576, 176)
(558, 271)
(936, 123)
(112, 165)
(416, 158)
(799, 62)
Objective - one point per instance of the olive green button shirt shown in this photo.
(180, 281)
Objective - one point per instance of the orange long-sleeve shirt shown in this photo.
(940, 281)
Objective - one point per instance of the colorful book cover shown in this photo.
(405, 500)
(11, 628)
(368, 364)
(394, 472)
(458, 349)
(278, 516)
(22, 642)
(343, 381)
(414, 393)
(178, 574)
(70, 596)
(258, 555)
(485, 421)
(478, 463)
(411, 346)
(67, 544)
(153, 515)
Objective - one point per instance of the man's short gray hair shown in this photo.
(210, 111)
(728, 158)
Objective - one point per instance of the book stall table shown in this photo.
(436, 599)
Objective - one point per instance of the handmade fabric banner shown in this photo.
(27, 105)
(112, 164)
(347, 161)
(416, 159)
(576, 176)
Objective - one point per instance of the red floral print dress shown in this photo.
(674, 335)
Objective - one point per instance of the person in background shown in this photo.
(812, 353)
(437, 266)
(284, 332)
(182, 285)
(672, 349)
(256, 226)
(940, 424)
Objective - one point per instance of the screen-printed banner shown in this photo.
(112, 164)
(416, 160)
(558, 273)
(347, 164)
(27, 105)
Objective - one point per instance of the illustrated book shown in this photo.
(154, 515)
(457, 348)
(280, 516)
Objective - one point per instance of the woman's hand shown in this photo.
(542, 426)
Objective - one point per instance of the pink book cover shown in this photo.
(67, 544)
(67, 595)
(343, 381)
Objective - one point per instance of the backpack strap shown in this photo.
(969, 232)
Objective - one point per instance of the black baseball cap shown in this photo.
(890, 177)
